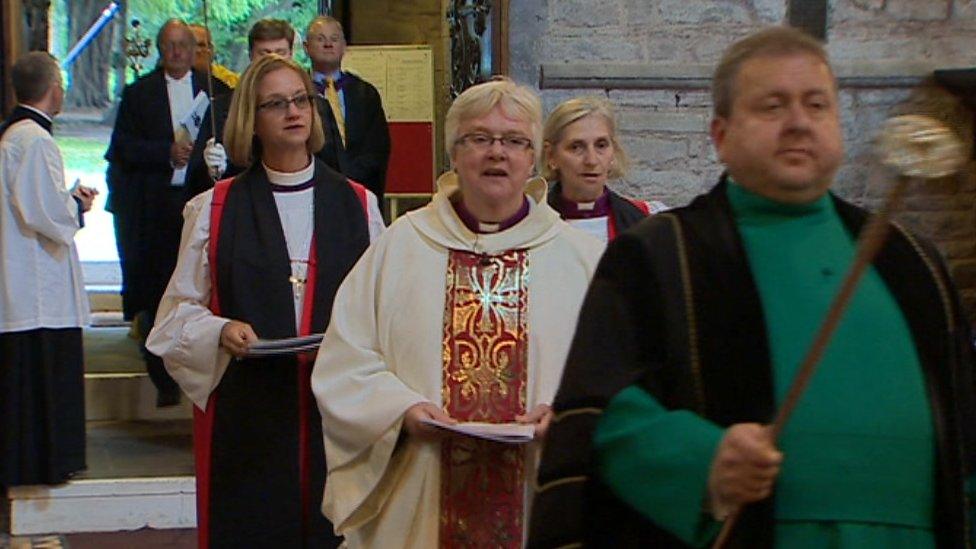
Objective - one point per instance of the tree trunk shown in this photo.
(89, 72)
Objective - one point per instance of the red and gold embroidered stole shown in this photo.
(485, 363)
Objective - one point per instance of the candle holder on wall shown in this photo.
(137, 48)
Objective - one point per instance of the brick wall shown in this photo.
(664, 121)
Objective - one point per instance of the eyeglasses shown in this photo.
(482, 142)
(280, 105)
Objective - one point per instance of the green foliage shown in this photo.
(230, 21)
(83, 154)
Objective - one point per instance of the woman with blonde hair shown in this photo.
(582, 153)
(457, 314)
(262, 255)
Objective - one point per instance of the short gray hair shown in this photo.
(33, 75)
(518, 101)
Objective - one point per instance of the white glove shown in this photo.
(216, 158)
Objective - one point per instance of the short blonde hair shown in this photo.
(774, 42)
(518, 101)
(243, 147)
(575, 109)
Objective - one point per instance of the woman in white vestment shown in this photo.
(461, 312)
(582, 153)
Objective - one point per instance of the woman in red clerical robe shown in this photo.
(581, 153)
(261, 256)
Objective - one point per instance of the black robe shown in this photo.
(674, 308)
(258, 497)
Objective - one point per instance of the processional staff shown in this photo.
(214, 171)
(915, 147)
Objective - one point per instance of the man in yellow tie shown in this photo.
(355, 122)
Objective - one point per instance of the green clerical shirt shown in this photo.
(859, 451)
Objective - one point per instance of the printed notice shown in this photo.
(403, 75)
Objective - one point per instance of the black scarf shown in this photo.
(255, 470)
(21, 112)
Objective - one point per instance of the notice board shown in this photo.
(404, 77)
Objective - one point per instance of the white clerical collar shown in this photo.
(289, 179)
(586, 206)
(184, 80)
(38, 111)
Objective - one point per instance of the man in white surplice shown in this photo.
(43, 304)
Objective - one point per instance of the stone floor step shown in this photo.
(127, 396)
(103, 505)
(140, 475)
(144, 538)
(116, 384)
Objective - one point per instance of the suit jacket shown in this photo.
(140, 193)
(367, 152)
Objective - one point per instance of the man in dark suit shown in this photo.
(356, 121)
(149, 157)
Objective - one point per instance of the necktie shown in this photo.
(333, 97)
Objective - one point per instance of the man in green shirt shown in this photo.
(697, 320)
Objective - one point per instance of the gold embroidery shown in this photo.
(485, 372)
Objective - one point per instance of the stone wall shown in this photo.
(652, 59)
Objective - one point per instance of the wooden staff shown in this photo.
(210, 92)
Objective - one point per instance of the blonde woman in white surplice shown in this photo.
(462, 310)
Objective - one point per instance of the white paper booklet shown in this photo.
(509, 433)
(287, 346)
(193, 119)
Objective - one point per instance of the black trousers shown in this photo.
(42, 406)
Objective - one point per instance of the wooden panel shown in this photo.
(411, 168)
(3, 61)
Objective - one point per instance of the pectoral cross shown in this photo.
(297, 283)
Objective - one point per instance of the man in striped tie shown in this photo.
(355, 121)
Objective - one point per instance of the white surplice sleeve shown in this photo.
(39, 195)
(361, 400)
(187, 334)
(374, 217)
